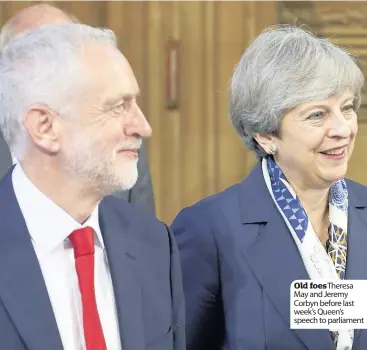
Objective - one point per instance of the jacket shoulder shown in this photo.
(358, 189)
(220, 202)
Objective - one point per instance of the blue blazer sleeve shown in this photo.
(201, 280)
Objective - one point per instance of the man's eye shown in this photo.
(118, 108)
(120, 105)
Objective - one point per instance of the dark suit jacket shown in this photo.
(141, 194)
(145, 270)
(238, 262)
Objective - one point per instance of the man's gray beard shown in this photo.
(98, 177)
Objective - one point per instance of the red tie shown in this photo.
(82, 240)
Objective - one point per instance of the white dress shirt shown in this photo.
(49, 227)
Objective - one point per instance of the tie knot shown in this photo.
(83, 241)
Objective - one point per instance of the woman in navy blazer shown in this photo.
(294, 99)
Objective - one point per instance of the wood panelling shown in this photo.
(193, 101)
(230, 46)
(210, 79)
(194, 151)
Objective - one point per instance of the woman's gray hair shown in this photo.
(284, 67)
(43, 66)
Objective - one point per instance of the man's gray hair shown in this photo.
(284, 67)
(43, 66)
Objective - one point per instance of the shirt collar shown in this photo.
(48, 224)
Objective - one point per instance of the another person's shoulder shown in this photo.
(143, 224)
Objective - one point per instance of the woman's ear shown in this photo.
(267, 142)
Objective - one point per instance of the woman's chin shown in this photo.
(332, 175)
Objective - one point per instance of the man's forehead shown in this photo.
(111, 71)
(102, 51)
(106, 58)
(125, 87)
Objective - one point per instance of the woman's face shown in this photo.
(317, 140)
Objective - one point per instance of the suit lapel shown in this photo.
(22, 288)
(276, 262)
(274, 256)
(122, 252)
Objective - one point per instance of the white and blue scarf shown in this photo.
(319, 263)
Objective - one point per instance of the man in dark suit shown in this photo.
(40, 14)
(79, 268)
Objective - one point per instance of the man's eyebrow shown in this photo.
(113, 100)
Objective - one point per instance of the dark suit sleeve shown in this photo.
(178, 299)
(199, 263)
(142, 192)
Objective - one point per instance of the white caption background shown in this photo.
(320, 304)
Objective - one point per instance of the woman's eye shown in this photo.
(348, 108)
(316, 115)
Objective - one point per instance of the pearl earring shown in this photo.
(273, 149)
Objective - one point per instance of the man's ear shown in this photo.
(267, 142)
(40, 122)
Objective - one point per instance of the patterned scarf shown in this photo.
(319, 263)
